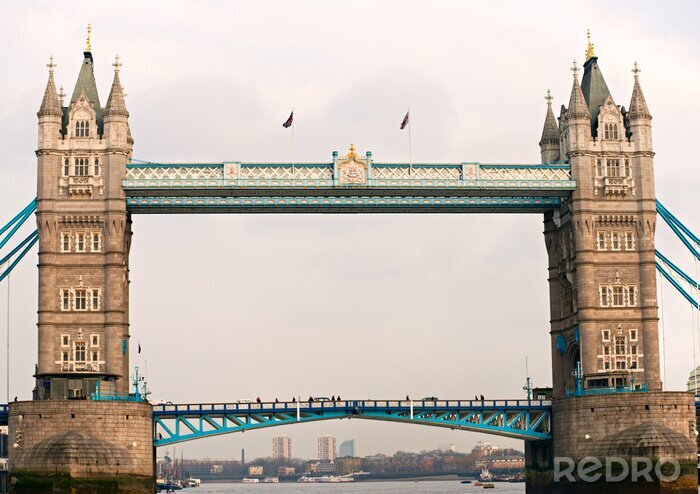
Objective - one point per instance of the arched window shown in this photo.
(614, 131)
(82, 128)
(66, 167)
(97, 166)
(81, 166)
(607, 131)
(80, 354)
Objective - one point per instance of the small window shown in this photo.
(65, 242)
(66, 167)
(628, 170)
(95, 302)
(615, 240)
(604, 296)
(633, 334)
(606, 335)
(631, 295)
(602, 241)
(620, 365)
(81, 299)
(613, 168)
(80, 242)
(606, 365)
(614, 131)
(618, 296)
(65, 299)
(80, 354)
(95, 356)
(97, 166)
(96, 242)
(606, 350)
(65, 340)
(633, 365)
(607, 131)
(633, 349)
(599, 168)
(94, 340)
(629, 240)
(64, 356)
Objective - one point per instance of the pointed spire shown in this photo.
(115, 103)
(86, 85)
(577, 102)
(638, 105)
(550, 132)
(50, 104)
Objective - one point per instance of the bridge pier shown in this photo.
(81, 446)
(653, 426)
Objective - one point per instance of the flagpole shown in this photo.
(292, 144)
(410, 158)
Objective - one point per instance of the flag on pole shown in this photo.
(289, 121)
(404, 122)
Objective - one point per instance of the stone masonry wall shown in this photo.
(122, 433)
(601, 416)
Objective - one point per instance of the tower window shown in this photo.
(95, 299)
(97, 166)
(80, 354)
(614, 131)
(607, 131)
(82, 128)
(65, 340)
(95, 356)
(613, 168)
(80, 242)
(629, 240)
(604, 296)
(615, 240)
(65, 242)
(66, 167)
(96, 242)
(94, 340)
(65, 299)
(82, 167)
(618, 298)
(633, 335)
(606, 335)
(65, 356)
(628, 170)
(620, 345)
(80, 299)
(601, 241)
(599, 168)
(631, 292)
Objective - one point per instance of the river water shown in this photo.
(423, 487)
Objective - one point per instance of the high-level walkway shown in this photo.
(363, 186)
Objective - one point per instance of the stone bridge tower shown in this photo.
(607, 398)
(84, 236)
(64, 441)
(602, 270)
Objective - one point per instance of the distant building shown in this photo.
(281, 471)
(347, 448)
(484, 450)
(281, 448)
(326, 448)
(694, 381)
(322, 466)
(507, 463)
(447, 448)
(348, 464)
(255, 470)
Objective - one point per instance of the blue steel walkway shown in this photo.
(521, 419)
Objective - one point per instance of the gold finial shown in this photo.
(52, 65)
(590, 53)
(87, 46)
(549, 98)
(116, 64)
(351, 152)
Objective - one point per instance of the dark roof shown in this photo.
(594, 88)
(86, 83)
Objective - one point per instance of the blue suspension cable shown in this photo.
(31, 207)
(678, 222)
(675, 284)
(19, 258)
(679, 229)
(27, 212)
(677, 270)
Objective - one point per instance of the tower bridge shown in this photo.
(594, 188)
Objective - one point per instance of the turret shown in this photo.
(578, 117)
(639, 117)
(49, 113)
(116, 116)
(549, 143)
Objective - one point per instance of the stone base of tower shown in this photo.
(634, 429)
(81, 447)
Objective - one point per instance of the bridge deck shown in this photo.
(321, 187)
(513, 418)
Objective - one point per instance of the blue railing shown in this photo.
(605, 391)
(116, 397)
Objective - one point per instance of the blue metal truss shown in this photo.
(521, 419)
(340, 204)
(3, 415)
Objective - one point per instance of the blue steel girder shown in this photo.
(234, 187)
(521, 419)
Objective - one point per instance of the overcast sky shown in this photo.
(230, 307)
